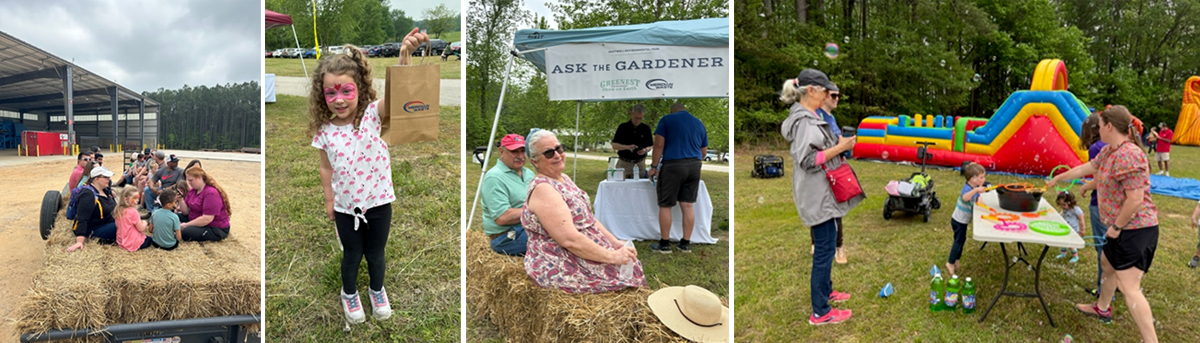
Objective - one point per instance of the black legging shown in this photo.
(201, 233)
(369, 240)
(813, 235)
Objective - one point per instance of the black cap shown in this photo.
(810, 77)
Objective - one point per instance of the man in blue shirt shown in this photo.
(680, 142)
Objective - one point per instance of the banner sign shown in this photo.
(616, 71)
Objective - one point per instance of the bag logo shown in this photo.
(415, 106)
(655, 84)
(619, 85)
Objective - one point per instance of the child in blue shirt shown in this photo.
(1072, 214)
(976, 177)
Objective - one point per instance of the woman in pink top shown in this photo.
(1123, 187)
(131, 229)
(206, 206)
(568, 248)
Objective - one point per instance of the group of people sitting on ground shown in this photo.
(152, 203)
(542, 215)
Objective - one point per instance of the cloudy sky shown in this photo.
(416, 8)
(146, 44)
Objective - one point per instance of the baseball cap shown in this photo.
(811, 76)
(173, 158)
(101, 171)
(833, 87)
(512, 141)
(160, 154)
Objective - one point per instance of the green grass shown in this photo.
(707, 266)
(773, 265)
(451, 69)
(303, 260)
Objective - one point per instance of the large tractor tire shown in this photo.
(50, 204)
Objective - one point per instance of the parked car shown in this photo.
(295, 53)
(365, 49)
(310, 53)
(375, 51)
(716, 156)
(456, 49)
(278, 53)
(337, 49)
(435, 47)
(390, 50)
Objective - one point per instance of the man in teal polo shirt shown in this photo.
(503, 196)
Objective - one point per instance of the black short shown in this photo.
(1132, 248)
(678, 181)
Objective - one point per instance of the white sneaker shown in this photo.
(379, 302)
(1159, 173)
(352, 308)
(1167, 174)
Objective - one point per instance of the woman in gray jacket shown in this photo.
(813, 144)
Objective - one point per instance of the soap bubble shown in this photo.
(846, 39)
(760, 199)
(976, 78)
(831, 50)
(942, 63)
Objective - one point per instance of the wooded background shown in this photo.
(358, 22)
(220, 117)
(490, 28)
(921, 56)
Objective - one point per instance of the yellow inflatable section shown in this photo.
(1050, 75)
(1187, 129)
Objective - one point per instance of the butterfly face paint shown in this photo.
(345, 91)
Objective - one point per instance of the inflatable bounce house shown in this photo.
(1187, 129)
(1031, 133)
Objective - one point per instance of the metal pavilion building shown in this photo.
(47, 93)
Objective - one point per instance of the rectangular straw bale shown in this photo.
(103, 285)
(499, 290)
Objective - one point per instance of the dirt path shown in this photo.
(21, 246)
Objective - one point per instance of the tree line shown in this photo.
(961, 58)
(358, 22)
(490, 28)
(220, 117)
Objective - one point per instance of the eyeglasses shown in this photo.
(87, 160)
(549, 153)
(835, 96)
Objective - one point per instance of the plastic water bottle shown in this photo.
(935, 293)
(637, 174)
(968, 294)
(953, 286)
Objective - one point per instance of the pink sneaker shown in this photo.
(833, 317)
(838, 296)
(352, 308)
(379, 304)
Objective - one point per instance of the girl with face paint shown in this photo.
(356, 174)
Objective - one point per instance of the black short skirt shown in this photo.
(1132, 248)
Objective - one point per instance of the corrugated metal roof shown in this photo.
(31, 81)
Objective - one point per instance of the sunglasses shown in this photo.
(87, 160)
(549, 153)
(835, 96)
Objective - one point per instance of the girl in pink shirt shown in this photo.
(131, 229)
(356, 175)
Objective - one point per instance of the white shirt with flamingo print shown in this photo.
(362, 168)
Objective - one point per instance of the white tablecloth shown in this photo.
(268, 87)
(985, 231)
(629, 209)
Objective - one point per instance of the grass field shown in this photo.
(707, 266)
(772, 272)
(303, 260)
(451, 68)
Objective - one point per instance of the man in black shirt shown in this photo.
(632, 141)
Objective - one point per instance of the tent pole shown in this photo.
(301, 53)
(491, 141)
(575, 163)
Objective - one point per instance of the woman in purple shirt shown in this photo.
(206, 206)
(1089, 138)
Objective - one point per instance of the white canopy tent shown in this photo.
(662, 60)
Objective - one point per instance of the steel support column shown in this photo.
(142, 120)
(69, 103)
(113, 90)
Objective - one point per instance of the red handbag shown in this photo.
(843, 182)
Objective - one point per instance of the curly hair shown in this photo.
(353, 64)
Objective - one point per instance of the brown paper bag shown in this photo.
(411, 94)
